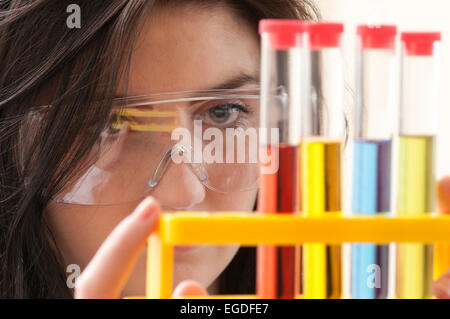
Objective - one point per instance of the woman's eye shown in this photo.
(223, 115)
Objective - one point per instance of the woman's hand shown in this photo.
(441, 287)
(108, 271)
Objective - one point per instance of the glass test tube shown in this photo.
(416, 155)
(372, 153)
(321, 152)
(281, 69)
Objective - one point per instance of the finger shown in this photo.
(443, 193)
(113, 263)
(189, 288)
(441, 287)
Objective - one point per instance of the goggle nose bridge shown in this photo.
(182, 150)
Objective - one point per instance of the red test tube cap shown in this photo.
(324, 35)
(377, 36)
(420, 43)
(284, 33)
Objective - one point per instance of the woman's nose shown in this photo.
(179, 188)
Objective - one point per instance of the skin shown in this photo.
(441, 287)
(180, 48)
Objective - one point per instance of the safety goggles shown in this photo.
(213, 134)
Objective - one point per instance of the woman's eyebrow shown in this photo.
(232, 83)
(236, 82)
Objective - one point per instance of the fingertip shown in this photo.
(444, 183)
(440, 291)
(189, 288)
(443, 194)
(441, 287)
(147, 208)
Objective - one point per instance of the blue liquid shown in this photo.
(371, 195)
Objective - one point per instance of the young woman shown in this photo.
(73, 172)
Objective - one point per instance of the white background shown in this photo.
(408, 15)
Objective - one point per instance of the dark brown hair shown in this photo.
(75, 67)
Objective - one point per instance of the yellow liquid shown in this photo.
(321, 179)
(416, 196)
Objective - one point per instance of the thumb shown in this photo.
(443, 194)
(441, 287)
(189, 288)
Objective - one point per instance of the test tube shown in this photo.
(281, 72)
(416, 154)
(321, 152)
(372, 153)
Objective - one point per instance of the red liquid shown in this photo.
(277, 195)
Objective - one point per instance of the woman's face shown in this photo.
(178, 49)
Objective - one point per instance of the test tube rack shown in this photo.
(252, 229)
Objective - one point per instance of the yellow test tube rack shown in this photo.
(247, 229)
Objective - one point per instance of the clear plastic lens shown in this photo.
(216, 137)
